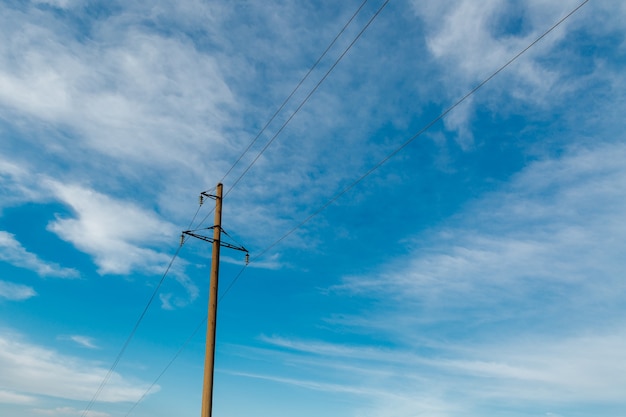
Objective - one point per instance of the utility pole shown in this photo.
(209, 355)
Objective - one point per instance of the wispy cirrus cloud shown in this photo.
(121, 236)
(578, 370)
(10, 397)
(35, 370)
(16, 184)
(69, 411)
(83, 341)
(15, 292)
(13, 252)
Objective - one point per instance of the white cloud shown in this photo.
(84, 341)
(16, 184)
(15, 292)
(112, 231)
(166, 301)
(13, 252)
(69, 411)
(317, 386)
(34, 370)
(63, 4)
(132, 103)
(470, 42)
(10, 397)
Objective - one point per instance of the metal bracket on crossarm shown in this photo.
(211, 240)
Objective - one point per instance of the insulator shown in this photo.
(247, 258)
(182, 238)
(201, 199)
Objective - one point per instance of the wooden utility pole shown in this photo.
(209, 355)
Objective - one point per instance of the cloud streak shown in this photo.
(13, 252)
(69, 411)
(10, 397)
(34, 370)
(15, 292)
(578, 370)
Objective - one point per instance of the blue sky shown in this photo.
(478, 272)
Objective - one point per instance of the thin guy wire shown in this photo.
(378, 165)
(304, 101)
(295, 89)
(406, 143)
(232, 238)
(130, 337)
